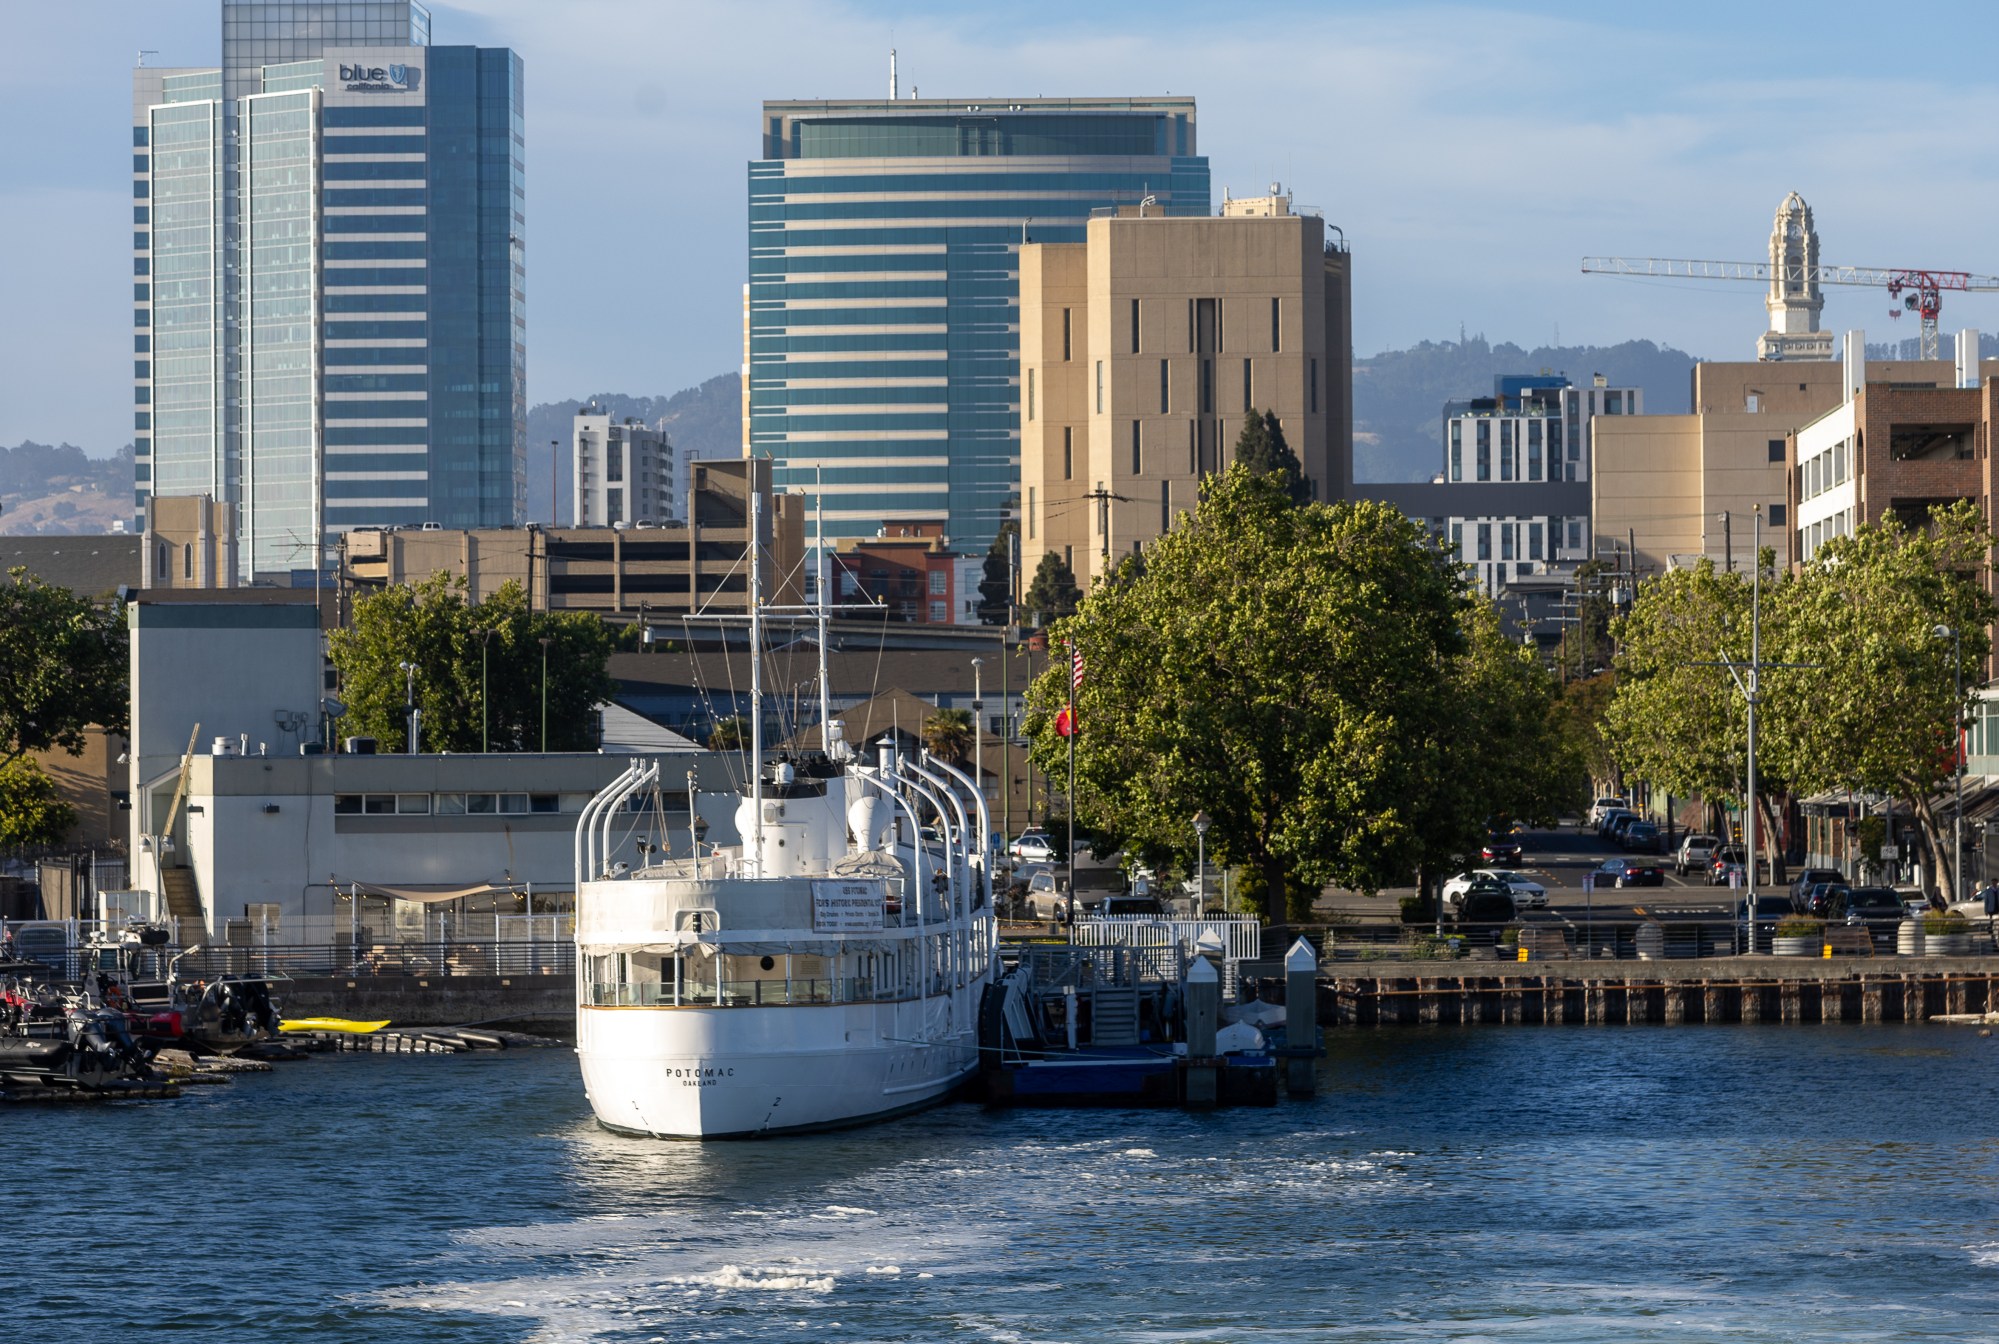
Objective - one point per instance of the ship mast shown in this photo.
(756, 855)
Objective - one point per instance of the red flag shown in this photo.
(1064, 725)
(1076, 667)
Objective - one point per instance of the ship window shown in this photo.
(513, 802)
(413, 804)
(450, 804)
(481, 804)
(378, 804)
(544, 802)
(346, 804)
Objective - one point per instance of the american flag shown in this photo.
(1076, 667)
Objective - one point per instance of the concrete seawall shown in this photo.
(1777, 990)
(430, 1001)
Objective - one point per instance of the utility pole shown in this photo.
(1104, 498)
(1727, 544)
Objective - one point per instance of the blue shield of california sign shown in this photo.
(399, 74)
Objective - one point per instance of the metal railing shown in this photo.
(741, 993)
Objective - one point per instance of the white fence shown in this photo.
(1162, 946)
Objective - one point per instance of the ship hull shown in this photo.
(724, 1073)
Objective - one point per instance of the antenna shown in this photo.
(144, 52)
(891, 74)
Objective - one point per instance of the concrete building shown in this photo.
(187, 541)
(1684, 486)
(1143, 348)
(623, 472)
(881, 355)
(623, 569)
(328, 278)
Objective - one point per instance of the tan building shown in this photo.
(189, 541)
(700, 564)
(1143, 348)
(1684, 486)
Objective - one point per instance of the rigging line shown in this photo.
(707, 697)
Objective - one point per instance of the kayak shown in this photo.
(330, 1024)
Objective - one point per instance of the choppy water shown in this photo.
(1530, 1184)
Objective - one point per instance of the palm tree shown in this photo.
(949, 734)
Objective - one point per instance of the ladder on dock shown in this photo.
(1114, 1015)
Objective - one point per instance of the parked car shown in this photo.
(1526, 892)
(1729, 861)
(1630, 873)
(1045, 897)
(1864, 905)
(1808, 878)
(1034, 846)
(1817, 900)
(1486, 902)
(1641, 837)
(1608, 821)
(1620, 825)
(1771, 906)
(1603, 805)
(1500, 848)
(1696, 852)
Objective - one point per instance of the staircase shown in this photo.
(1114, 1015)
(183, 900)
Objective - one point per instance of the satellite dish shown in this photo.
(333, 707)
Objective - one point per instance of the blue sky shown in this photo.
(1472, 154)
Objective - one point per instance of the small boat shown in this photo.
(335, 1024)
(135, 971)
(53, 1037)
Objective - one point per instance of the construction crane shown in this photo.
(1916, 291)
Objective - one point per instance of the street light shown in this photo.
(545, 642)
(979, 739)
(485, 639)
(1957, 710)
(409, 700)
(1200, 863)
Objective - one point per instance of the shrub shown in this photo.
(1800, 928)
(1944, 922)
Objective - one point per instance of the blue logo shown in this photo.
(399, 74)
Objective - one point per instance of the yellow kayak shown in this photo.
(330, 1024)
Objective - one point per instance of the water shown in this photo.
(1531, 1184)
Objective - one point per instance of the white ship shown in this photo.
(823, 970)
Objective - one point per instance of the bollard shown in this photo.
(1204, 1007)
(1301, 1022)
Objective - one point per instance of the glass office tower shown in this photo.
(329, 300)
(882, 333)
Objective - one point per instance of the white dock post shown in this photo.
(1301, 1018)
(1203, 1009)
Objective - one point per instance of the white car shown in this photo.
(1034, 847)
(1606, 804)
(1527, 893)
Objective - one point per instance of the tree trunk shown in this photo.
(1771, 831)
(1943, 869)
(1274, 902)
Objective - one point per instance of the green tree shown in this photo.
(1053, 594)
(1261, 447)
(32, 812)
(64, 664)
(1882, 704)
(949, 733)
(1280, 668)
(731, 734)
(465, 698)
(996, 579)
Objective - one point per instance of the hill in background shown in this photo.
(62, 490)
(703, 421)
(1399, 395)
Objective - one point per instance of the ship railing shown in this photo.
(1159, 948)
(740, 993)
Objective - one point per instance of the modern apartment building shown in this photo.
(1143, 348)
(881, 332)
(622, 472)
(328, 288)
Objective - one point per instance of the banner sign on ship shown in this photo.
(846, 907)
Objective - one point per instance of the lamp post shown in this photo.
(409, 700)
(485, 641)
(545, 642)
(979, 736)
(1200, 863)
(1952, 633)
(694, 824)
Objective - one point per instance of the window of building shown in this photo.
(1575, 534)
(940, 613)
(1193, 448)
(1457, 454)
(1534, 450)
(1207, 387)
(1776, 450)
(513, 803)
(1484, 432)
(1165, 390)
(1276, 325)
(1068, 452)
(1100, 387)
(1134, 326)
(1030, 513)
(1458, 538)
(1506, 531)
(1137, 454)
(1030, 394)
(1751, 403)
(1312, 381)
(413, 804)
(187, 560)
(1068, 348)
(1069, 558)
(1534, 541)
(614, 461)
(1776, 515)
(1506, 472)
(1248, 387)
(1614, 403)
(940, 583)
(1165, 507)
(1485, 541)
(481, 804)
